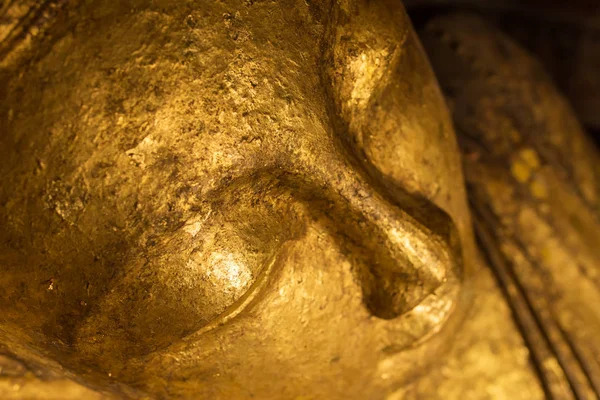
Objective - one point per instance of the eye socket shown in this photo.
(197, 275)
(205, 270)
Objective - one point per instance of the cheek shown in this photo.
(309, 322)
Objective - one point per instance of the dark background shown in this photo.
(563, 34)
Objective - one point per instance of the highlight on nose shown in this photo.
(401, 254)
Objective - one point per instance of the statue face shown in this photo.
(199, 197)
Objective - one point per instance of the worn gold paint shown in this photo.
(248, 199)
(521, 170)
(538, 188)
(543, 237)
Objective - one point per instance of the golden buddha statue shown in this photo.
(244, 199)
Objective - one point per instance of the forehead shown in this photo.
(206, 90)
(116, 132)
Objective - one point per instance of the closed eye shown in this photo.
(199, 274)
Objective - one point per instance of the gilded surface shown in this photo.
(534, 185)
(259, 199)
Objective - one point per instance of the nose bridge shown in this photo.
(407, 238)
(405, 259)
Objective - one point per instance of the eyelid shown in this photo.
(409, 258)
(197, 277)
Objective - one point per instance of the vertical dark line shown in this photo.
(20, 30)
(534, 338)
(5, 7)
(574, 366)
(589, 365)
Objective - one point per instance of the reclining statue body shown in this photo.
(236, 198)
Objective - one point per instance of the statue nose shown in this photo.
(405, 249)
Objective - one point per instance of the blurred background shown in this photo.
(563, 34)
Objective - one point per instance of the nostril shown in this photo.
(400, 256)
(389, 292)
(401, 265)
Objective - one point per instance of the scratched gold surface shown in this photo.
(245, 199)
